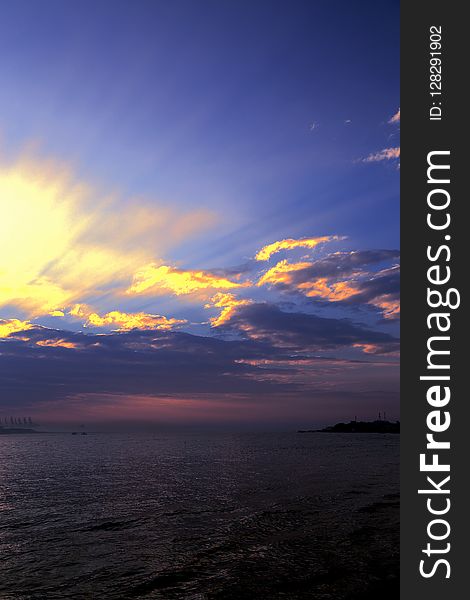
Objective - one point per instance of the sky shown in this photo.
(199, 212)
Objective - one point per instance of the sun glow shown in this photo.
(60, 239)
(36, 227)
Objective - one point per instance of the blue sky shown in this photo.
(191, 135)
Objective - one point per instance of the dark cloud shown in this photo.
(264, 352)
(342, 264)
(386, 283)
(33, 368)
(268, 323)
(136, 362)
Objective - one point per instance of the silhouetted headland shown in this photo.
(358, 427)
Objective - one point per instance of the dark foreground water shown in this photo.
(195, 517)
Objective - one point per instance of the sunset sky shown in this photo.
(199, 209)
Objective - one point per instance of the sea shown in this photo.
(199, 516)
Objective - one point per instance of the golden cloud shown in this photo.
(8, 326)
(57, 344)
(267, 251)
(385, 154)
(343, 290)
(80, 310)
(228, 303)
(281, 273)
(389, 306)
(124, 321)
(368, 348)
(332, 291)
(154, 278)
(127, 321)
(61, 239)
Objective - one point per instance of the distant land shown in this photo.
(358, 427)
(10, 430)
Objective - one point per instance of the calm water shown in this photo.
(219, 516)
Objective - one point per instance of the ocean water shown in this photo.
(195, 517)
